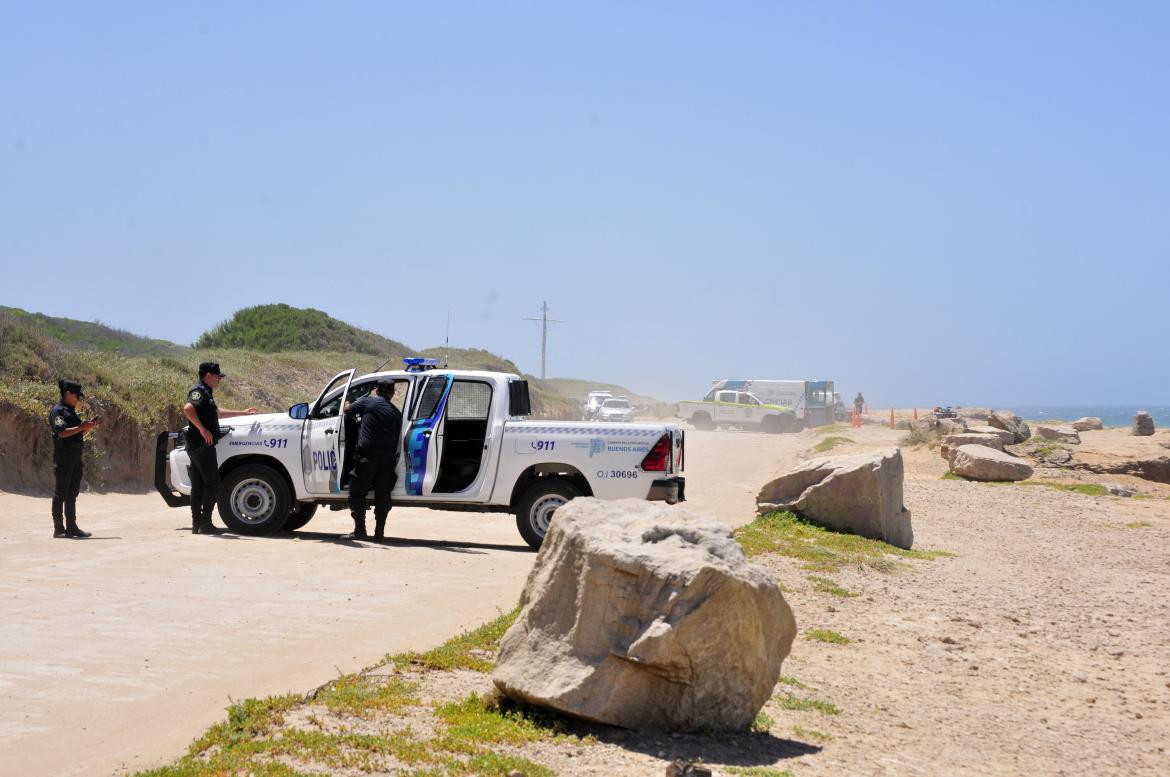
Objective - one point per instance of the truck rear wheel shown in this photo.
(254, 499)
(702, 421)
(535, 509)
(301, 514)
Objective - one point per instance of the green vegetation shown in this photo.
(829, 443)
(948, 475)
(821, 549)
(811, 733)
(763, 723)
(272, 328)
(473, 649)
(757, 771)
(787, 680)
(1138, 525)
(91, 336)
(826, 586)
(801, 704)
(362, 695)
(827, 635)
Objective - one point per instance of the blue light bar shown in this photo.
(417, 363)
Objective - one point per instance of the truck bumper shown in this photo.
(161, 449)
(669, 490)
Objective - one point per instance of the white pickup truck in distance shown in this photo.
(738, 408)
(465, 446)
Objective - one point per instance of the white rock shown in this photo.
(642, 615)
(1087, 424)
(978, 462)
(1065, 434)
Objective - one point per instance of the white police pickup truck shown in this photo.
(464, 447)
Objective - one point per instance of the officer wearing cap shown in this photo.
(377, 456)
(68, 442)
(202, 436)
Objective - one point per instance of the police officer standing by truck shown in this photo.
(68, 445)
(377, 457)
(202, 436)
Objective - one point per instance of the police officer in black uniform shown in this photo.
(68, 443)
(377, 456)
(202, 436)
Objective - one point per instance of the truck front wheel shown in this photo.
(702, 421)
(301, 514)
(254, 499)
(535, 509)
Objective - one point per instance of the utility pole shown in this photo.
(544, 322)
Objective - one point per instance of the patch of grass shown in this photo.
(823, 550)
(479, 720)
(473, 649)
(811, 733)
(246, 721)
(829, 443)
(801, 704)
(827, 635)
(826, 586)
(788, 680)
(757, 771)
(948, 475)
(361, 695)
(1138, 525)
(763, 722)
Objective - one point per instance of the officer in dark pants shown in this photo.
(377, 456)
(68, 444)
(202, 436)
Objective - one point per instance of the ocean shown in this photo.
(1110, 416)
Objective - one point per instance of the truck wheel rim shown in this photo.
(542, 512)
(253, 501)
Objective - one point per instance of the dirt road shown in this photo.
(118, 650)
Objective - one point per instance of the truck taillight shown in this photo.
(659, 456)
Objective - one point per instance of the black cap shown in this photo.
(70, 385)
(210, 368)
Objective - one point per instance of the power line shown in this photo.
(544, 322)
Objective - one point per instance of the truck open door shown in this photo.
(323, 437)
(424, 434)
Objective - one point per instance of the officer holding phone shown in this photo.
(68, 444)
(202, 436)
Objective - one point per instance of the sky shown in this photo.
(933, 203)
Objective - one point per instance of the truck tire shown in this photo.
(254, 499)
(301, 514)
(702, 421)
(534, 510)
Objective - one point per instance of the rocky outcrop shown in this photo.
(1005, 437)
(1143, 424)
(977, 413)
(1064, 434)
(951, 426)
(641, 615)
(1087, 424)
(1010, 422)
(978, 462)
(952, 442)
(859, 493)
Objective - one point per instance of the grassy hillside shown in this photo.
(275, 328)
(92, 336)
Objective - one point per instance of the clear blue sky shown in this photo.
(931, 202)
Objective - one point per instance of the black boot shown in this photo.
(359, 530)
(196, 525)
(73, 530)
(207, 527)
(59, 527)
(380, 529)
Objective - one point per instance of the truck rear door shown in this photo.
(424, 434)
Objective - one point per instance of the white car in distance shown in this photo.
(617, 409)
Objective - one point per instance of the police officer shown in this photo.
(202, 436)
(377, 456)
(859, 403)
(68, 443)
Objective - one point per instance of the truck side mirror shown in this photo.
(299, 412)
(519, 402)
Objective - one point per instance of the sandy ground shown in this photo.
(1042, 647)
(116, 651)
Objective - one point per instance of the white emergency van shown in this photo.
(811, 401)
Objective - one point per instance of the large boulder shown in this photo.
(1005, 437)
(1065, 434)
(642, 615)
(976, 413)
(858, 493)
(951, 426)
(1087, 424)
(1143, 424)
(978, 462)
(1010, 422)
(952, 442)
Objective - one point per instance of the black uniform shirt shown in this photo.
(202, 400)
(381, 423)
(63, 417)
